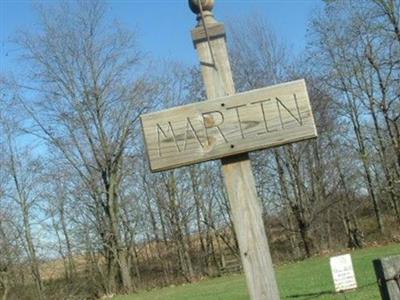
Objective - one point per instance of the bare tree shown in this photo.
(25, 173)
(89, 92)
(357, 55)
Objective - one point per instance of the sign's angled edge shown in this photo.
(310, 107)
(148, 115)
(255, 149)
(146, 150)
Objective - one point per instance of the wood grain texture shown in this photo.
(229, 125)
(215, 31)
(387, 272)
(239, 181)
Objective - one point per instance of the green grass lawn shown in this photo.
(309, 279)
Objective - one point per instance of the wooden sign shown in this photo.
(226, 126)
(387, 271)
(343, 273)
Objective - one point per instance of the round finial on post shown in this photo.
(206, 5)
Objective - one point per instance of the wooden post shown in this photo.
(387, 272)
(209, 41)
(181, 136)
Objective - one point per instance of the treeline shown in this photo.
(81, 215)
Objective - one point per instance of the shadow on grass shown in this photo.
(315, 295)
(311, 295)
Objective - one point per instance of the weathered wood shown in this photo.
(240, 123)
(214, 30)
(232, 264)
(239, 180)
(232, 124)
(387, 272)
(232, 268)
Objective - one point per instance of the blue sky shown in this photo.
(164, 25)
(164, 29)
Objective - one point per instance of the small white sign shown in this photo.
(343, 273)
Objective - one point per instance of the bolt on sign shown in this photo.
(226, 126)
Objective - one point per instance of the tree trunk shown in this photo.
(32, 254)
(70, 259)
(182, 247)
(298, 206)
